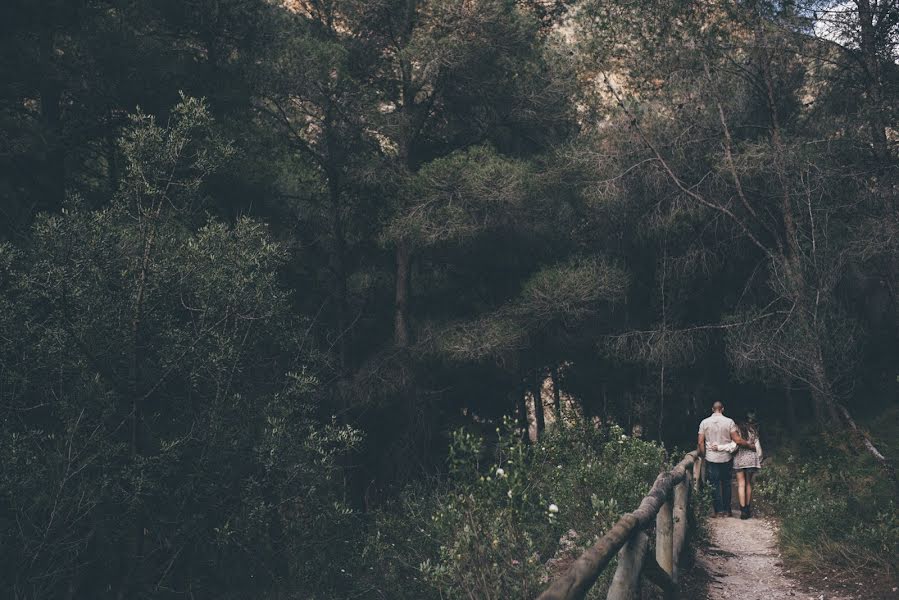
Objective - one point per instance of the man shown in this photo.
(714, 431)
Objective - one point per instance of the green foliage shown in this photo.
(566, 295)
(505, 521)
(570, 292)
(482, 339)
(834, 514)
(157, 403)
(169, 164)
(199, 302)
(462, 195)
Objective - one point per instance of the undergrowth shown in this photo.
(509, 517)
(837, 509)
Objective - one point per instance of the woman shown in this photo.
(747, 461)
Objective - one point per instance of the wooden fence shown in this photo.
(668, 504)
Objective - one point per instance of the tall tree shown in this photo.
(781, 198)
(456, 74)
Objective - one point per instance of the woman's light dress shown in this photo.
(746, 458)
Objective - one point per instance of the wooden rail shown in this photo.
(667, 503)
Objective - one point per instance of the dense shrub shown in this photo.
(507, 519)
(836, 512)
(159, 433)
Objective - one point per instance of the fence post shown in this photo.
(665, 500)
(626, 582)
(665, 537)
(681, 500)
(697, 472)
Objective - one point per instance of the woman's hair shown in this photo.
(748, 426)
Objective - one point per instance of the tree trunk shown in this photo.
(791, 405)
(338, 269)
(873, 79)
(605, 403)
(112, 164)
(403, 272)
(557, 396)
(866, 442)
(51, 95)
(822, 392)
(132, 576)
(661, 400)
(839, 414)
(537, 393)
(522, 409)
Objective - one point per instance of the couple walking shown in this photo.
(726, 445)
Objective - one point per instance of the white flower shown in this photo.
(500, 473)
(553, 508)
(624, 437)
(509, 493)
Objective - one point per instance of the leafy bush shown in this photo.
(158, 434)
(834, 513)
(505, 521)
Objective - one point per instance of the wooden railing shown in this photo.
(667, 503)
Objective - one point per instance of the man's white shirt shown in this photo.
(717, 430)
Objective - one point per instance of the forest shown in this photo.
(314, 299)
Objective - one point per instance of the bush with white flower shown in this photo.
(510, 515)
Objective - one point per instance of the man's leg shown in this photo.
(715, 483)
(725, 486)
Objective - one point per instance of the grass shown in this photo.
(836, 505)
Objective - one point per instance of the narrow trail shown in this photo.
(743, 563)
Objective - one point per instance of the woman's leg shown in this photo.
(749, 475)
(741, 487)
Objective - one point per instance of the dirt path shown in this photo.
(743, 563)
